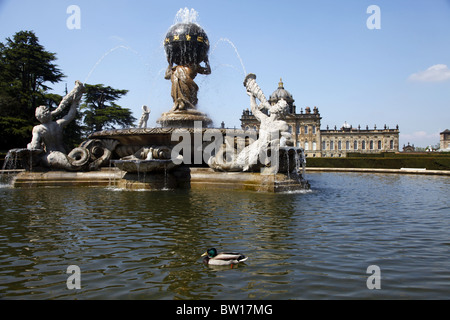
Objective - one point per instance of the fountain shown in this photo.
(185, 152)
(186, 45)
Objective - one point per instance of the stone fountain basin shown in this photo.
(132, 139)
(140, 166)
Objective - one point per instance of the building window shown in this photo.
(290, 129)
(339, 145)
(306, 129)
(391, 144)
(355, 145)
(371, 144)
(331, 145)
(324, 145)
(314, 146)
(347, 145)
(306, 145)
(379, 144)
(314, 129)
(363, 145)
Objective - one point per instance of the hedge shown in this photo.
(430, 162)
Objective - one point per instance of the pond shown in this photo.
(317, 244)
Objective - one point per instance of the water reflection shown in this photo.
(147, 245)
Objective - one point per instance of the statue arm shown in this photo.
(255, 108)
(169, 71)
(66, 100)
(206, 69)
(35, 140)
(73, 97)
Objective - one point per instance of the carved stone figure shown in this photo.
(184, 89)
(144, 117)
(147, 159)
(186, 45)
(48, 136)
(150, 153)
(271, 131)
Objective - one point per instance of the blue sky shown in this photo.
(323, 51)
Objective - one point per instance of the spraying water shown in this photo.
(104, 56)
(228, 41)
(186, 16)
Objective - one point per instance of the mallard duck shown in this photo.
(222, 259)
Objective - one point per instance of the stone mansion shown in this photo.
(329, 142)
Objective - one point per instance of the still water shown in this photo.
(312, 245)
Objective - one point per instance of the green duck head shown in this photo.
(211, 253)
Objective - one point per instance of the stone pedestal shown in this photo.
(183, 119)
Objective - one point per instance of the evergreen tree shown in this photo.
(100, 110)
(25, 70)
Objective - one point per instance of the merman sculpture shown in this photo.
(273, 134)
(47, 139)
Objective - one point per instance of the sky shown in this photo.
(364, 67)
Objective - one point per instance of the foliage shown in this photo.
(25, 70)
(13, 130)
(100, 110)
(430, 161)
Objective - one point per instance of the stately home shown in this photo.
(330, 142)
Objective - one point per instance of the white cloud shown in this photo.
(436, 73)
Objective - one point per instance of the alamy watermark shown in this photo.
(74, 20)
(74, 280)
(374, 20)
(374, 280)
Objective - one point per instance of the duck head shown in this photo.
(211, 253)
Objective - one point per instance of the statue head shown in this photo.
(43, 114)
(279, 108)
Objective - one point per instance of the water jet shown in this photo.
(186, 151)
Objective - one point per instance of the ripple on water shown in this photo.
(147, 245)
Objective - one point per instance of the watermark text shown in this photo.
(74, 280)
(74, 20)
(374, 20)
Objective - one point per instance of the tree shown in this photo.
(101, 112)
(25, 70)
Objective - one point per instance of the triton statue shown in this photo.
(48, 136)
(273, 133)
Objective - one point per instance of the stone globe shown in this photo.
(186, 43)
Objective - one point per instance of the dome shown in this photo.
(281, 93)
